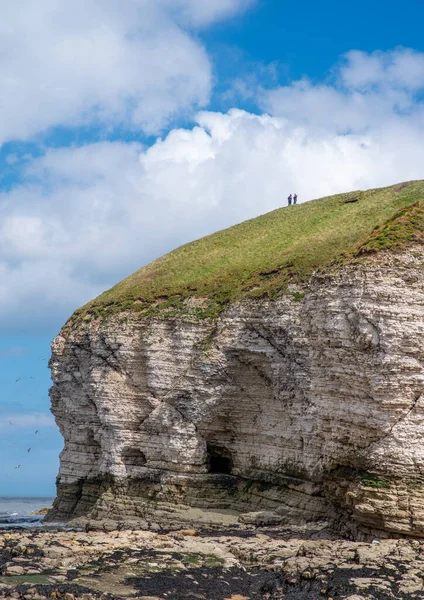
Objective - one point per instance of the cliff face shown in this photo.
(310, 406)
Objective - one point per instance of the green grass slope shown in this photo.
(260, 257)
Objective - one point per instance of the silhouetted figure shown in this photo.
(295, 199)
(289, 199)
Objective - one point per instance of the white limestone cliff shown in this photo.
(311, 407)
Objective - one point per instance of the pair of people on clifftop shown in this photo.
(292, 198)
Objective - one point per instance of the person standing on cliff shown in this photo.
(295, 199)
(289, 199)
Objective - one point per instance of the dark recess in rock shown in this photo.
(219, 460)
(134, 457)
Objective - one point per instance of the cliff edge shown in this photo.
(270, 373)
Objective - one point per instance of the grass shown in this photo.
(406, 226)
(198, 560)
(369, 480)
(262, 256)
(24, 579)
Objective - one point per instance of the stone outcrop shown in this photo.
(309, 406)
(262, 565)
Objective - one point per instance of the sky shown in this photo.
(131, 127)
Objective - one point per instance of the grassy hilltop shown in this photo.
(260, 257)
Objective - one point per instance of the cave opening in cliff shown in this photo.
(219, 459)
(133, 457)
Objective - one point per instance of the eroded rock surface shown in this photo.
(306, 407)
(188, 565)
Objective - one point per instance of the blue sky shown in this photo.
(130, 128)
(308, 38)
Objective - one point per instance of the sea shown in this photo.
(18, 512)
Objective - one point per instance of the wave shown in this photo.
(10, 520)
(24, 521)
(21, 512)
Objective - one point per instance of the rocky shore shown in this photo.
(263, 563)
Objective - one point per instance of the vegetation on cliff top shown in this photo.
(262, 256)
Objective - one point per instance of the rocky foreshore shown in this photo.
(266, 563)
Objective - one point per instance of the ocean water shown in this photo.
(16, 512)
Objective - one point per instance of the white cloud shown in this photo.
(402, 68)
(85, 217)
(128, 63)
(25, 421)
(369, 91)
(200, 13)
(101, 211)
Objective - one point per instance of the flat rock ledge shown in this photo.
(267, 564)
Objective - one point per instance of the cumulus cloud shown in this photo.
(402, 68)
(367, 91)
(130, 63)
(88, 216)
(84, 217)
(204, 13)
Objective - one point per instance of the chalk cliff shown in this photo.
(305, 406)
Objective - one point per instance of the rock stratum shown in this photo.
(301, 405)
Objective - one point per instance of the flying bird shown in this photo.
(18, 467)
(28, 449)
(36, 431)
